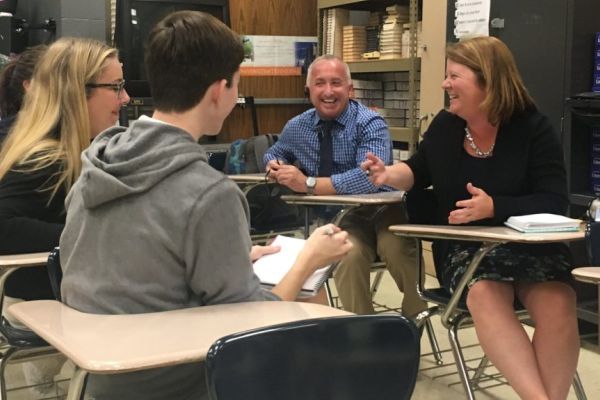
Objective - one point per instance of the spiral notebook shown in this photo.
(271, 268)
(534, 223)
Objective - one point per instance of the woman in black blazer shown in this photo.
(490, 156)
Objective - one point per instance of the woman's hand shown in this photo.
(479, 206)
(257, 252)
(375, 169)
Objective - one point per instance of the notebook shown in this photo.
(271, 268)
(533, 223)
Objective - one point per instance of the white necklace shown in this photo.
(477, 150)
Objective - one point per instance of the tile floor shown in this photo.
(434, 382)
(441, 382)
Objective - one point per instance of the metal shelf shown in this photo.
(336, 3)
(403, 134)
(395, 65)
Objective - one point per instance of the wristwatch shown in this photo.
(311, 182)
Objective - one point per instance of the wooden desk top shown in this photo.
(120, 343)
(379, 198)
(587, 274)
(248, 178)
(497, 234)
(24, 260)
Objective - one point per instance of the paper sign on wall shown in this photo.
(277, 55)
(471, 18)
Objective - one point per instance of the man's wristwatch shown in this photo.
(311, 182)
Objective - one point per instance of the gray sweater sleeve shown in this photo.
(217, 248)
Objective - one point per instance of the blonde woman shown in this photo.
(75, 93)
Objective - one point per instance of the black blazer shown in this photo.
(527, 167)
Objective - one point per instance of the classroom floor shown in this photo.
(434, 382)
(442, 382)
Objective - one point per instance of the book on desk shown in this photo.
(271, 268)
(539, 223)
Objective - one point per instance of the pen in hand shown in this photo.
(329, 231)
(267, 175)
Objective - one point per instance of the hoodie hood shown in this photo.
(124, 161)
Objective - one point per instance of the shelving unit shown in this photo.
(410, 133)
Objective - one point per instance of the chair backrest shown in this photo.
(350, 357)
(422, 208)
(55, 272)
(268, 212)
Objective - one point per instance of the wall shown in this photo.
(82, 18)
(269, 17)
(433, 60)
(88, 18)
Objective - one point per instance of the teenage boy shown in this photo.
(151, 226)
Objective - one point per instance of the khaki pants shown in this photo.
(368, 230)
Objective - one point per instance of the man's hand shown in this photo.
(290, 176)
(479, 206)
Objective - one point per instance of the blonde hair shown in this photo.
(497, 73)
(53, 124)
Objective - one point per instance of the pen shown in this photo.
(269, 171)
(328, 232)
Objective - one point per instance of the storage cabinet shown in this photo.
(582, 148)
(552, 42)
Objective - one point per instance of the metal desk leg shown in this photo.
(77, 384)
(306, 222)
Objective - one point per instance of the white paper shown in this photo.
(542, 223)
(271, 268)
(471, 18)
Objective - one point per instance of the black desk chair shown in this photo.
(23, 343)
(452, 308)
(269, 215)
(354, 357)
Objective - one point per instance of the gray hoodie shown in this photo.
(152, 227)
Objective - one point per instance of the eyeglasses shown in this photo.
(116, 87)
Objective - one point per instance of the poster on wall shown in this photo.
(277, 55)
(471, 18)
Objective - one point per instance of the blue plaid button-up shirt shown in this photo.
(357, 131)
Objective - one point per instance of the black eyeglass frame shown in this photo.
(116, 87)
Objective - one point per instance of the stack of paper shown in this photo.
(271, 268)
(390, 40)
(355, 42)
(542, 223)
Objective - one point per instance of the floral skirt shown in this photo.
(507, 263)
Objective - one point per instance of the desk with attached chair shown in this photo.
(590, 275)
(347, 202)
(451, 308)
(19, 342)
(112, 344)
